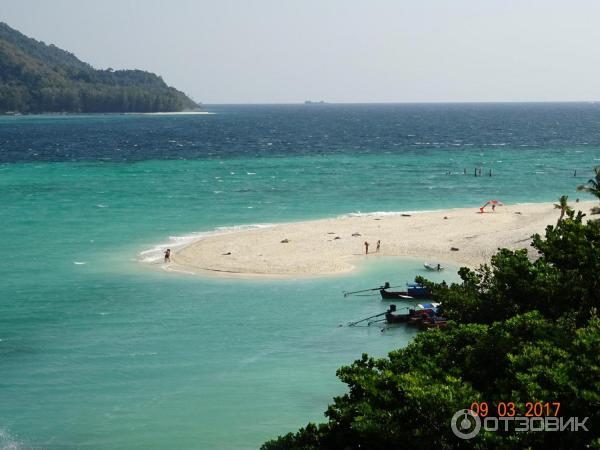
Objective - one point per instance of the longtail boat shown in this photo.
(417, 315)
(424, 315)
(414, 290)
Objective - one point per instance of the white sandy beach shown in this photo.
(331, 246)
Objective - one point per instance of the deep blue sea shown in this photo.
(98, 350)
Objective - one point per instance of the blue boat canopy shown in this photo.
(417, 288)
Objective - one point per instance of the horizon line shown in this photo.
(451, 102)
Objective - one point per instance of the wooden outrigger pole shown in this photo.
(385, 286)
(391, 309)
(351, 324)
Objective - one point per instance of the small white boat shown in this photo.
(433, 266)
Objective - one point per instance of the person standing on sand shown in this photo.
(378, 246)
(366, 248)
(168, 255)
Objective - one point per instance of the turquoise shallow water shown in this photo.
(99, 351)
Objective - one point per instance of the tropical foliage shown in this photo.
(563, 206)
(35, 77)
(523, 331)
(593, 187)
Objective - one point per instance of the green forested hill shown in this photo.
(36, 78)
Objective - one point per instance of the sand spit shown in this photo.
(332, 246)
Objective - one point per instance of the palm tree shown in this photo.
(563, 206)
(593, 187)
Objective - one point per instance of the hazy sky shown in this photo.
(263, 51)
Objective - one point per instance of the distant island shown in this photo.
(40, 78)
(310, 102)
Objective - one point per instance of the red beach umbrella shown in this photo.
(494, 203)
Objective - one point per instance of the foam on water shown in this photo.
(9, 442)
(156, 253)
(387, 213)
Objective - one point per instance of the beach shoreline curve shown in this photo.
(335, 246)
